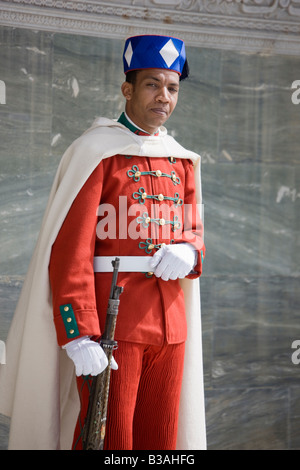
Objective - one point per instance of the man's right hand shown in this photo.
(88, 356)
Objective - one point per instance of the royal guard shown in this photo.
(124, 189)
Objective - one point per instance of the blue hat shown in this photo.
(155, 52)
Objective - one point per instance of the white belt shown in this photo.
(133, 264)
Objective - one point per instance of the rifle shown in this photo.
(95, 422)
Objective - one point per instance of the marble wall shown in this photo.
(236, 110)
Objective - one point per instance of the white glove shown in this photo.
(174, 261)
(88, 356)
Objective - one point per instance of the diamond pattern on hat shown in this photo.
(128, 54)
(169, 53)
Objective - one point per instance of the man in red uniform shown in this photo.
(151, 325)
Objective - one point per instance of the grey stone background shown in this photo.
(236, 111)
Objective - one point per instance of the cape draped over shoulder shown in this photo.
(37, 384)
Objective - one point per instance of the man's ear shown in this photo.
(127, 89)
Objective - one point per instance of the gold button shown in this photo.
(174, 177)
(158, 173)
(66, 308)
(137, 174)
(162, 221)
(160, 197)
(150, 273)
(151, 246)
(172, 159)
(69, 319)
(162, 244)
(144, 195)
(177, 225)
(71, 332)
(147, 220)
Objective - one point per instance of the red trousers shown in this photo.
(144, 398)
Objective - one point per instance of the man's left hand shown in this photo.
(174, 261)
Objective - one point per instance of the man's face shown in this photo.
(151, 100)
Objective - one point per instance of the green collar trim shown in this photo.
(123, 120)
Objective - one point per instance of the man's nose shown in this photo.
(163, 95)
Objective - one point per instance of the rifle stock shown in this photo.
(95, 421)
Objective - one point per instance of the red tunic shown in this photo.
(128, 206)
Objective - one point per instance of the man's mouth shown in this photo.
(159, 111)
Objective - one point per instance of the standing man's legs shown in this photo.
(143, 399)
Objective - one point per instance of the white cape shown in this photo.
(37, 384)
